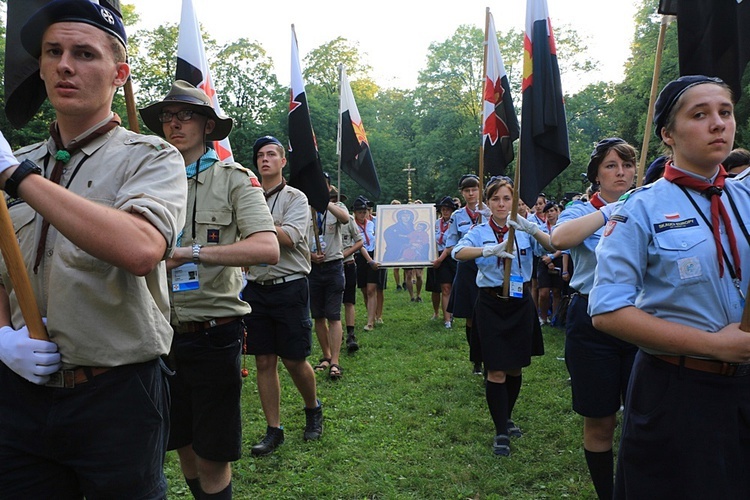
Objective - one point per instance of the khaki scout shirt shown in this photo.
(350, 235)
(98, 314)
(329, 229)
(290, 211)
(228, 207)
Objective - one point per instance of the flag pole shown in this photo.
(513, 213)
(130, 106)
(481, 105)
(338, 135)
(665, 20)
(18, 275)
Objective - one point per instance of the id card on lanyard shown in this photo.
(185, 277)
(515, 290)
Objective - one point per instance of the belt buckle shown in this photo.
(742, 369)
(211, 323)
(63, 379)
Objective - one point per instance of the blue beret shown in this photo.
(73, 11)
(360, 203)
(263, 141)
(602, 146)
(672, 92)
(447, 202)
(655, 171)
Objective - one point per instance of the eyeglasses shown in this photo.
(184, 115)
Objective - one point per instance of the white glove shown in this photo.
(7, 159)
(486, 213)
(522, 224)
(496, 250)
(35, 360)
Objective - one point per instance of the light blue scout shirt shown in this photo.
(460, 223)
(368, 235)
(658, 254)
(442, 242)
(490, 274)
(583, 255)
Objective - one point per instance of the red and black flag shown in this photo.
(24, 90)
(500, 123)
(305, 171)
(713, 38)
(354, 150)
(544, 132)
(192, 67)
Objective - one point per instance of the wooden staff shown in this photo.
(511, 230)
(316, 231)
(130, 106)
(18, 276)
(481, 103)
(665, 20)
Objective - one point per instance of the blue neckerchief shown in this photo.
(204, 163)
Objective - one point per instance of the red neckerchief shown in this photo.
(713, 193)
(473, 214)
(443, 229)
(363, 228)
(61, 158)
(499, 235)
(596, 201)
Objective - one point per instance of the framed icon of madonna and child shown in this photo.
(405, 235)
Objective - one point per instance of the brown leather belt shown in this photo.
(707, 365)
(68, 379)
(202, 326)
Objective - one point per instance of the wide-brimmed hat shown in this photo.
(73, 11)
(184, 93)
(333, 194)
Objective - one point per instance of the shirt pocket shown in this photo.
(214, 227)
(23, 216)
(683, 256)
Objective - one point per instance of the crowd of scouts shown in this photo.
(153, 263)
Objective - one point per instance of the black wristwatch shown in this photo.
(23, 170)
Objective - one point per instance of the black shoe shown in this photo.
(351, 344)
(477, 369)
(513, 430)
(274, 437)
(313, 423)
(398, 288)
(501, 446)
(418, 299)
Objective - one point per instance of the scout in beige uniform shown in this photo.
(279, 325)
(93, 247)
(327, 284)
(227, 225)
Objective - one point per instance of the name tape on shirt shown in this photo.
(660, 227)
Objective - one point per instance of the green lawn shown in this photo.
(409, 420)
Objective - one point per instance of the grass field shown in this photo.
(408, 420)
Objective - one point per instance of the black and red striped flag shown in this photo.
(544, 132)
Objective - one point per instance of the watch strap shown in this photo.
(26, 168)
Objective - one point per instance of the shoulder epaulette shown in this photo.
(628, 194)
(27, 149)
(154, 141)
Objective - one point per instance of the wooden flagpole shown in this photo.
(665, 20)
(18, 276)
(338, 135)
(484, 82)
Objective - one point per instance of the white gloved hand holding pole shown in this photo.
(521, 224)
(35, 360)
(496, 250)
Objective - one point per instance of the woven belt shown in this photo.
(68, 379)
(707, 365)
(202, 326)
(278, 281)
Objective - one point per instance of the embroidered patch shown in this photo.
(212, 236)
(610, 227)
(254, 182)
(672, 216)
(690, 267)
(660, 227)
(523, 251)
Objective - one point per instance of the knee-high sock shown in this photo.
(600, 465)
(195, 487)
(514, 389)
(497, 401)
(225, 494)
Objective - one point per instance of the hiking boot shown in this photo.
(501, 446)
(273, 438)
(313, 422)
(351, 343)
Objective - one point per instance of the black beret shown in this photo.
(601, 147)
(549, 205)
(263, 141)
(73, 11)
(361, 203)
(672, 92)
(655, 171)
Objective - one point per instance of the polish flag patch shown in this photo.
(674, 215)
